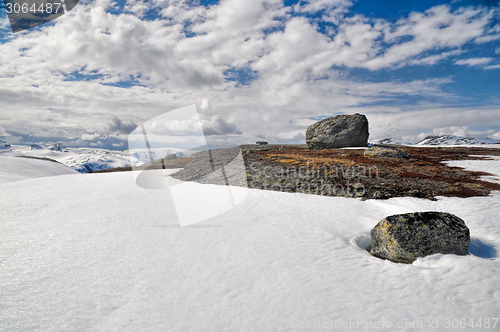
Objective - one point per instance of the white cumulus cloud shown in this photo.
(183, 57)
(474, 61)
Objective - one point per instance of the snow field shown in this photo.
(17, 169)
(96, 252)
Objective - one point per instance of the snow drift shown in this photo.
(97, 253)
(17, 169)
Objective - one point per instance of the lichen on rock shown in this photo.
(405, 237)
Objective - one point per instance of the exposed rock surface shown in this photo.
(404, 237)
(217, 166)
(387, 152)
(338, 132)
(261, 143)
(346, 172)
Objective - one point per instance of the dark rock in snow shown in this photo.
(261, 143)
(404, 237)
(36, 147)
(417, 193)
(378, 195)
(338, 132)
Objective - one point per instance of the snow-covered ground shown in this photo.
(489, 166)
(95, 252)
(17, 169)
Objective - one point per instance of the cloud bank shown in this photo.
(254, 68)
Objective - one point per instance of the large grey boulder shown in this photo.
(338, 132)
(404, 237)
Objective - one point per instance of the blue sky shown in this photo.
(255, 69)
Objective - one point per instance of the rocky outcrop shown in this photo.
(338, 132)
(217, 166)
(261, 143)
(387, 152)
(404, 237)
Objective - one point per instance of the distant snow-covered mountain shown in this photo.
(36, 147)
(85, 160)
(437, 140)
(455, 140)
(393, 141)
(52, 147)
(4, 145)
(144, 156)
(56, 147)
(96, 160)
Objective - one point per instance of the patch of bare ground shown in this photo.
(349, 172)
